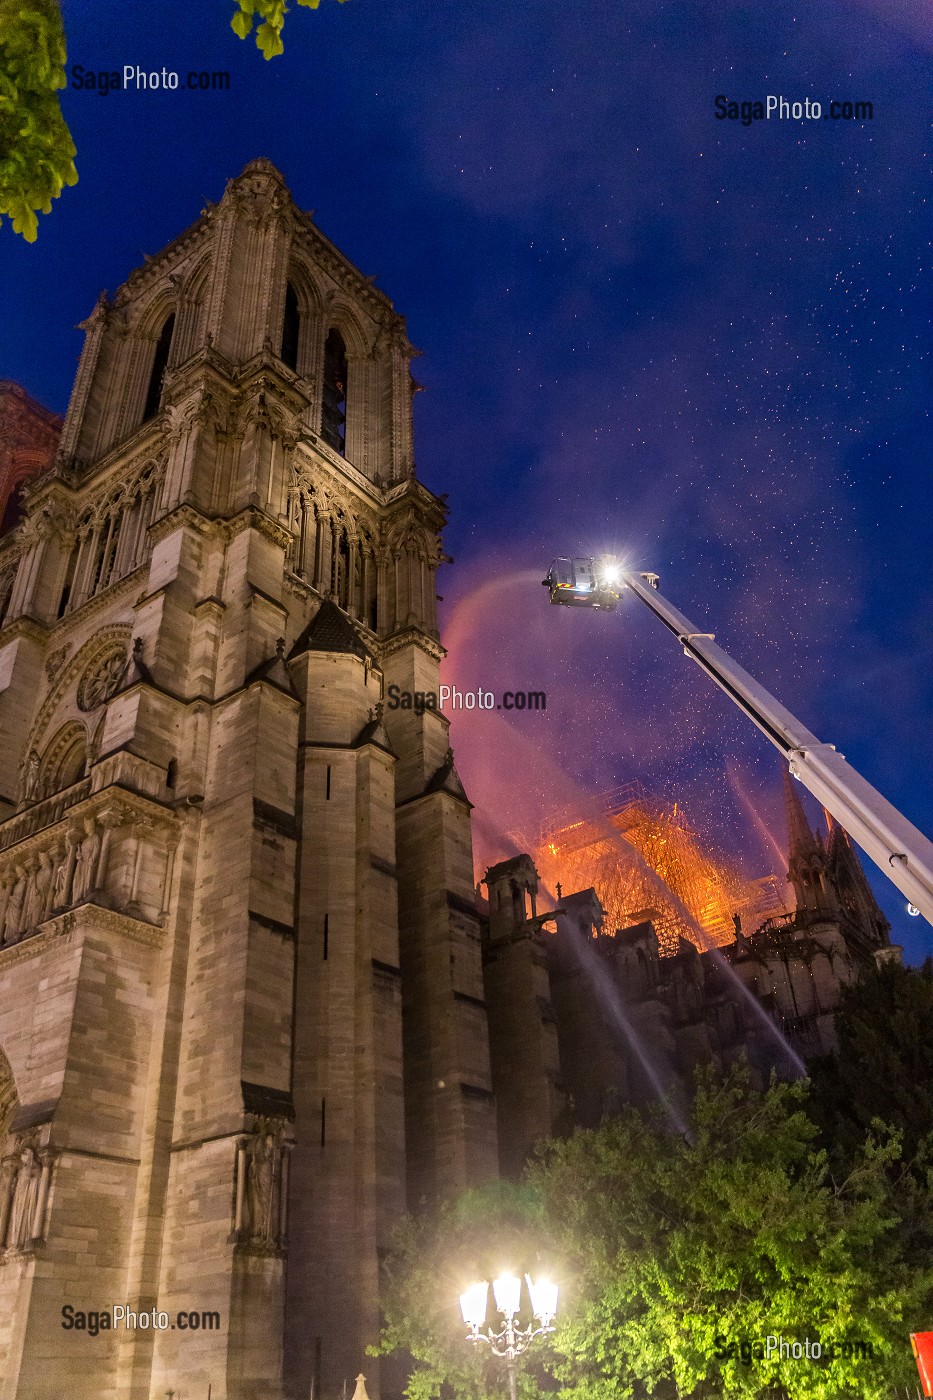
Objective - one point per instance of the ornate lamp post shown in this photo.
(511, 1340)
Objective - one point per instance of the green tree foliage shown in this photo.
(36, 149)
(269, 17)
(884, 1067)
(676, 1257)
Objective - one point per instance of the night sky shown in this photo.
(696, 343)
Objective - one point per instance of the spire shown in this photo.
(806, 857)
(854, 892)
(800, 838)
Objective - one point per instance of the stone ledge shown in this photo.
(74, 925)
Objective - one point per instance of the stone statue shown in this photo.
(60, 881)
(31, 776)
(259, 1188)
(33, 901)
(86, 869)
(14, 909)
(25, 1195)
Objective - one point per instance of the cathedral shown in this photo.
(251, 1006)
(585, 1018)
(240, 960)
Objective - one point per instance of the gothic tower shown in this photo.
(241, 1016)
(830, 884)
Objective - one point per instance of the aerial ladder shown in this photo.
(893, 843)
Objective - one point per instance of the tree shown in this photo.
(435, 1257)
(271, 13)
(678, 1259)
(36, 149)
(884, 1065)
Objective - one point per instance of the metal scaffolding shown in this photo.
(646, 861)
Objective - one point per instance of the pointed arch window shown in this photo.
(291, 329)
(68, 582)
(334, 404)
(343, 564)
(159, 364)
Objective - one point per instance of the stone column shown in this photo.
(93, 329)
(353, 583)
(382, 591)
(37, 1226)
(285, 1149)
(82, 584)
(27, 576)
(137, 849)
(322, 551)
(240, 1174)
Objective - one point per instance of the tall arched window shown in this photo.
(291, 328)
(69, 580)
(342, 564)
(159, 363)
(334, 405)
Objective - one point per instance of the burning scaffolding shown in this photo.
(645, 861)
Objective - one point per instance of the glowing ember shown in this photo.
(646, 862)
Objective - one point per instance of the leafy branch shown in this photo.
(269, 18)
(36, 149)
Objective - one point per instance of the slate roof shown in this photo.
(331, 630)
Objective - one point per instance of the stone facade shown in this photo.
(241, 1003)
(28, 438)
(584, 1019)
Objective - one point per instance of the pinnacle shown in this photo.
(799, 836)
(262, 166)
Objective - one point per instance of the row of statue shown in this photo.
(24, 1190)
(44, 883)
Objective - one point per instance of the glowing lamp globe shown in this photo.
(473, 1305)
(543, 1299)
(508, 1291)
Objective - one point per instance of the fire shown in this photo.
(645, 861)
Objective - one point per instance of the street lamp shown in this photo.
(511, 1340)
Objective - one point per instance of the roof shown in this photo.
(331, 630)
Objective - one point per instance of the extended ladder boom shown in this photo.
(894, 843)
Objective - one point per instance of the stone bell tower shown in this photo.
(241, 1014)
